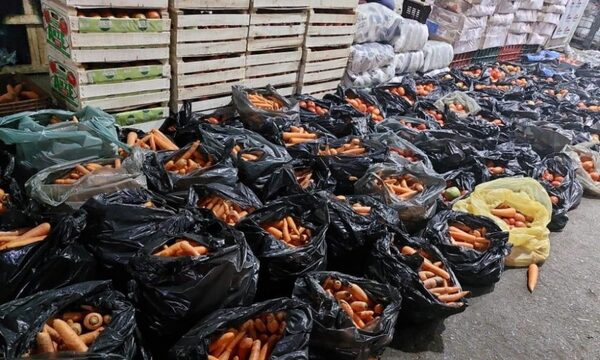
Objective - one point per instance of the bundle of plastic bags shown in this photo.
(437, 55)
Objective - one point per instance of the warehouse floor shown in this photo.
(560, 320)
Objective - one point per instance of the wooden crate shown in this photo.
(130, 4)
(91, 40)
(322, 69)
(327, 27)
(337, 4)
(143, 119)
(277, 68)
(282, 4)
(276, 29)
(209, 4)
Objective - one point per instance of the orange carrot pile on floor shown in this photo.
(20, 237)
(189, 161)
(80, 171)
(364, 107)
(71, 331)
(512, 217)
(464, 236)
(253, 340)
(312, 107)
(155, 140)
(436, 279)
(182, 247)
(352, 148)
(265, 102)
(403, 186)
(223, 209)
(298, 135)
(354, 301)
(289, 231)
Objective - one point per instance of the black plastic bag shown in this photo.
(14, 202)
(463, 179)
(22, 319)
(517, 109)
(334, 336)
(305, 102)
(473, 126)
(300, 149)
(544, 138)
(162, 180)
(514, 159)
(281, 264)
(173, 293)
(261, 120)
(427, 91)
(566, 195)
(387, 264)
(394, 103)
(293, 345)
(59, 260)
(401, 151)
(344, 95)
(183, 124)
(408, 128)
(239, 194)
(343, 120)
(472, 267)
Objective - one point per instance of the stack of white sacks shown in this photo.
(524, 22)
(463, 23)
(499, 24)
(385, 44)
(548, 18)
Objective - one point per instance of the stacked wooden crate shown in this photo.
(329, 35)
(110, 54)
(275, 38)
(208, 54)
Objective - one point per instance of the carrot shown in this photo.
(505, 213)
(424, 275)
(244, 348)
(163, 141)
(50, 330)
(41, 229)
(191, 150)
(132, 138)
(44, 343)
(210, 357)
(90, 337)
(255, 352)
(428, 266)
(70, 338)
(229, 349)
(532, 276)
(92, 321)
(453, 297)
(445, 290)
(462, 236)
(359, 306)
(22, 242)
(263, 352)
(433, 282)
(407, 250)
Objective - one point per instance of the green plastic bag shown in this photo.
(41, 144)
(530, 245)
(590, 186)
(105, 180)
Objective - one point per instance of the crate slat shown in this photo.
(330, 30)
(210, 77)
(211, 48)
(270, 58)
(276, 30)
(220, 19)
(143, 4)
(333, 4)
(329, 18)
(119, 55)
(313, 55)
(320, 87)
(98, 40)
(272, 69)
(326, 65)
(96, 90)
(282, 79)
(275, 43)
(270, 4)
(197, 92)
(320, 76)
(182, 67)
(323, 41)
(128, 101)
(210, 4)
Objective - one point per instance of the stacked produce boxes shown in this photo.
(110, 54)
(329, 35)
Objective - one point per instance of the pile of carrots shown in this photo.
(71, 331)
(493, 168)
(252, 156)
(554, 179)
(403, 186)
(17, 93)
(189, 161)
(592, 108)
(438, 116)
(364, 107)
(480, 87)
(3, 201)
(253, 340)
(56, 120)
(298, 135)
(304, 177)
(520, 82)
(512, 69)
(497, 122)
(425, 89)
(587, 162)
(352, 148)
(457, 108)
(436, 279)
(20, 237)
(119, 14)
(182, 247)
(80, 171)
(289, 231)
(401, 92)
(223, 209)
(512, 217)
(354, 301)
(472, 73)
(154, 141)
(496, 74)
(357, 207)
(312, 107)
(265, 102)
(464, 236)
(405, 153)
(414, 126)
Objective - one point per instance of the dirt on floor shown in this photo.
(560, 320)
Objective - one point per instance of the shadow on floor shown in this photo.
(419, 337)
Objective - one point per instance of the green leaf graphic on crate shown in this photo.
(139, 116)
(57, 30)
(63, 82)
(123, 74)
(114, 25)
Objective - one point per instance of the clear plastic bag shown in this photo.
(536, 39)
(516, 39)
(556, 9)
(590, 186)
(365, 57)
(550, 18)
(495, 37)
(522, 15)
(412, 37)
(369, 78)
(410, 62)
(501, 19)
(521, 28)
(437, 55)
(376, 23)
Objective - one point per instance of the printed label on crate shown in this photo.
(64, 82)
(139, 116)
(57, 29)
(113, 25)
(123, 74)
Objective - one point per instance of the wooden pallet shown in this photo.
(277, 68)
(322, 69)
(276, 29)
(91, 40)
(330, 27)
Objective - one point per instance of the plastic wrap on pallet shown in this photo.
(412, 37)
(536, 39)
(550, 18)
(532, 4)
(369, 56)
(555, 9)
(500, 20)
(369, 78)
(516, 39)
(469, 8)
(544, 29)
(495, 37)
(507, 6)
(377, 23)
(526, 15)
(449, 33)
(437, 55)
(466, 45)
(449, 19)
(521, 28)
(482, 9)
(409, 62)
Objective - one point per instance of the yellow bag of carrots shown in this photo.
(527, 226)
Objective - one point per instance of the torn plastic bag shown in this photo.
(387, 264)
(334, 335)
(292, 346)
(401, 151)
(471, 266)
(419, 207)
(526, 195)
(31, 313)
(352, 234)
(394, 100)
(445, 151)
(170, 293)
(408, 128)
(219, 167)
(261, 119)
(470, 106)
(13, 200)
(462, 179)
(31, 268)
(581, 153)
(281, 264)
(298, 177)
(42, 143)
(566, 194)
(42, 186)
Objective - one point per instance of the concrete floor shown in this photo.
(560, 320)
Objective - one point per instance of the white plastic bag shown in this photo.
(535, 39)
(409, 62)
(507, 6)
(544, 29)
(526, 16)
(532, 4)
(437, 55)
(412, 37)
(467, 46)
(471, 34)
(550, 18)
(369, 78)
(501, 19)
(365, 57)
(516, 39)
(556, 9)
(376, 23)
(482, 9)
(495, 37)
(521, 28)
